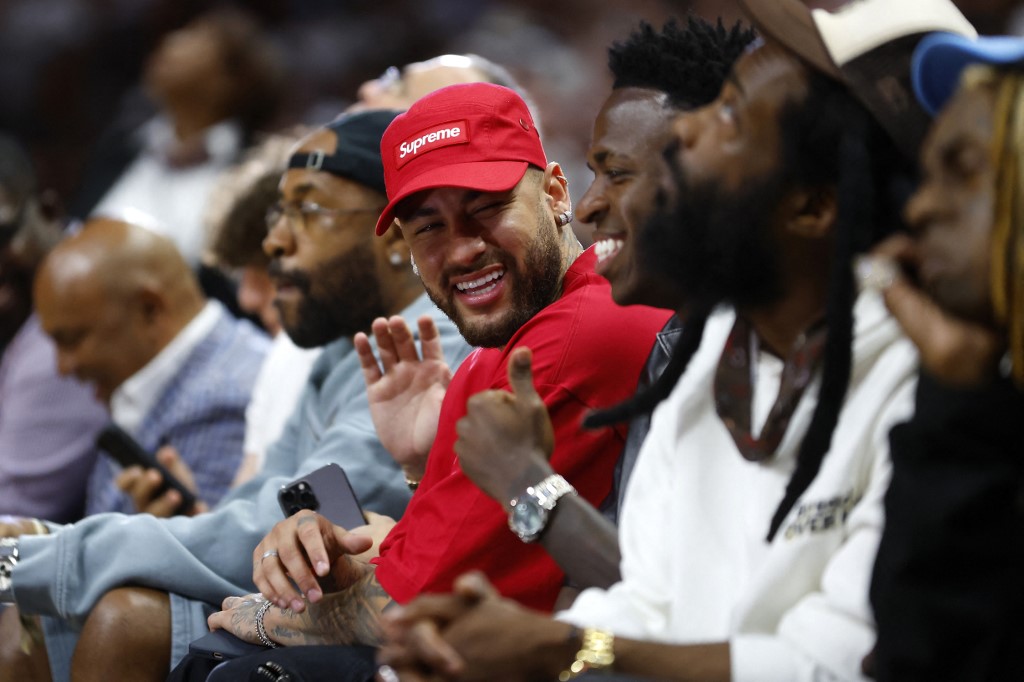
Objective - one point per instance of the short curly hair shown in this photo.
(689, 63)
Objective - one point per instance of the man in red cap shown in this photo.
(486, 218)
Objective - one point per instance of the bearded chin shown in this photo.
(713, 247)
(533, 287)
(490, 334)
(329, 310)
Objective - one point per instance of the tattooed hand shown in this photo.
(238, 617)
(351, 616)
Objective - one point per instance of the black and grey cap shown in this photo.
(357, 156)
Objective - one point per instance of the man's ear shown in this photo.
(557, 188)
(811, 212)
(395, 246)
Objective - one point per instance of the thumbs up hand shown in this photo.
(506, 438)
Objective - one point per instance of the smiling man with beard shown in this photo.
(325, 257)
(657, 75)
(319, 259)
(486, 217)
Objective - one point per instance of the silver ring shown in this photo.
(269, 552)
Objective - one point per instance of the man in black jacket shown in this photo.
(946, 589)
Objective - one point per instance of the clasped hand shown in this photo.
(471, 634)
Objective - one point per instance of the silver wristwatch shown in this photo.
(8, 560)
(532, 509)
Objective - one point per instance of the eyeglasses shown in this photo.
(307, 215)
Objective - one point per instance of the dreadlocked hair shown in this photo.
(688, 63)
(1007, 283)
(872, 181)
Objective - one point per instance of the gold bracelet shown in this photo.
(596, 653)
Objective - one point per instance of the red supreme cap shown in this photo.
(476, 136)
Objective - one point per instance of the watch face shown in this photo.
(528, 517)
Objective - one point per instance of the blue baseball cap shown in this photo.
(941, 57)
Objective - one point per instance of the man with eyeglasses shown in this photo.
(333, 277)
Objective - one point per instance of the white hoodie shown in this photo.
(696, 566)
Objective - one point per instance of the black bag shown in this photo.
(285, 664)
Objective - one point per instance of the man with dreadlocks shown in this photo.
(777, 185)
(947, 582)
(656, 75)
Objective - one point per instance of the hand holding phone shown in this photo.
(116, 442)
(326, 491)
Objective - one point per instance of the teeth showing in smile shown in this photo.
(606, 248)
(474, 286)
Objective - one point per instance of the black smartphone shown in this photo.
(327, 492)
(221, 645)
(116, 442)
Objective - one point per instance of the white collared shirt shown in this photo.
(133, 399)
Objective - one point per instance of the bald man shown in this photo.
(128, 317)
(398, 88)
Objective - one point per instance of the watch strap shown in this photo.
(548, 491)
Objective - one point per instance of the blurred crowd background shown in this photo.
(72, 71)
